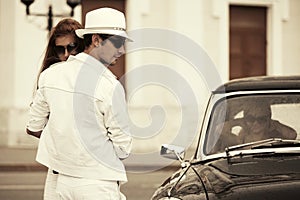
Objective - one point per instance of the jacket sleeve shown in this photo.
(39, 111)
(117, 123)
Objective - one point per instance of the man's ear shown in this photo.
(96, 40)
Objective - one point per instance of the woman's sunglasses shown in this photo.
(259, 119)
(62, 49)
(117, 41)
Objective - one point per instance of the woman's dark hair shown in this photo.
(64, 27)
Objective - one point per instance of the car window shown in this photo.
(287, 114)
(248, 118)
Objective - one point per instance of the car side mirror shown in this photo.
(172, 152)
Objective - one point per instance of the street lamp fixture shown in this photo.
(50, 15)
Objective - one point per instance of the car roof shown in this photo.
(260, 83)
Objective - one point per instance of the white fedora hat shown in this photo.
(104, 21)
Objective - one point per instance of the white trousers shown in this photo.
(50, 186)
(63, 187)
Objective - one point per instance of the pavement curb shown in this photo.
(22, 167)
(37, 167)
(23, 159)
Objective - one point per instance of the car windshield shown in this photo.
(248, 118)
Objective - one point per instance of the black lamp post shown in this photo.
(50, 15)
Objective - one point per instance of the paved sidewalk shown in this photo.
(19, 159)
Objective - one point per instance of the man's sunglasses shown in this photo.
(117, 41)
(62, 49)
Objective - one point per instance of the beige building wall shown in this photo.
(23, 40)
(291, 42)
(282, 28)
(204, 22)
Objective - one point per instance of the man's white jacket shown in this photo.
(81, 108)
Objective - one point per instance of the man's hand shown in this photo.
(36, 134)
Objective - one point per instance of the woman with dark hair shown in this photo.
(62, 43)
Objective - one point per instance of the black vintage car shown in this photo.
(249, 145)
